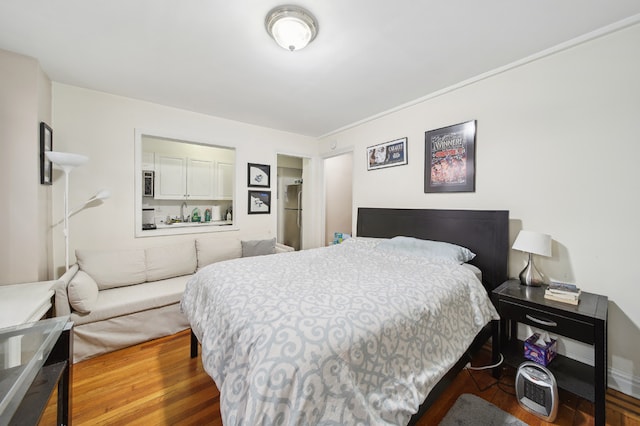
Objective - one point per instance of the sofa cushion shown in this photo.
(258, 247)
(122, 301)
(113, 268)
(82, 292)
(171, 261)
(211, 250)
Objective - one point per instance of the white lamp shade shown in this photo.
(533, 242)
(103, 194)
(66, 160)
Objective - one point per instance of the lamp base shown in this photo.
(530, 275)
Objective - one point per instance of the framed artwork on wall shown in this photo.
(449, 164)
(46, 144)
(387, 154)
(259, 202)
(258, 175)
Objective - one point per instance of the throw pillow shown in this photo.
(258, 247)
(82, 292)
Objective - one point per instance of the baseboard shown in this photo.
(622, 382)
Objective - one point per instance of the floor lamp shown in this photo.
(67, 162)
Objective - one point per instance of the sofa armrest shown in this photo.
(61, 304)
(281, 248)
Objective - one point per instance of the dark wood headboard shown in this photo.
(485, 232)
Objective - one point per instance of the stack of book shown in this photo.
(562, 292)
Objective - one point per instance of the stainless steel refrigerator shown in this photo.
(293, 216)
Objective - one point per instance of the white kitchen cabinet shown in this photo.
(200, 179)
(224, 181)
(182, 178)
(170, 177)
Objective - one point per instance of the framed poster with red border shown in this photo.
(449, 164)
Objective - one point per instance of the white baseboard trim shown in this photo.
(624, 383)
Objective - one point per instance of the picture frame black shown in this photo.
(387, 154)
(259, 202)
(46, 144)
(258, 175)
(450, 160)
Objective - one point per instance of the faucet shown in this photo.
(182, 207)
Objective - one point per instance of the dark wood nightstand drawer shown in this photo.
(549, 321)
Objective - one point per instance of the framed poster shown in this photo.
(259, 202)
(258, 175)
(46, 144)
(387, 154)
(449, 164)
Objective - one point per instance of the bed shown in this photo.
(359, 333)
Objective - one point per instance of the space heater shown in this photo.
(537, 391)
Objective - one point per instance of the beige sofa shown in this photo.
(119, 298)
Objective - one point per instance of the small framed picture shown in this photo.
(450, 160)
(258, 175)
(46, 144)
(259, 202)
(387, 154)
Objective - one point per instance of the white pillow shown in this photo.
(82, 292)
(427, 248)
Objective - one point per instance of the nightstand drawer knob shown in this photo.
(543, 322)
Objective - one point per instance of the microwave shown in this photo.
(147, 183)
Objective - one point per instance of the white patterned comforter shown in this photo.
(339, 335)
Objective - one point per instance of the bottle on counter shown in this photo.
(195, 215)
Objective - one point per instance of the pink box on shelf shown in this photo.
(539, 354)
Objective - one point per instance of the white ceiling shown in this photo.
(215, 57)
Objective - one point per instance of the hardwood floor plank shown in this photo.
(158, 383)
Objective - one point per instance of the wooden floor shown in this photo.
(156, 383)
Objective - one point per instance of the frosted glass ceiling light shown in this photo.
(292, 27)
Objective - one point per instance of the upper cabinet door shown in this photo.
(200, 179)
(171, 177)
(225, 181)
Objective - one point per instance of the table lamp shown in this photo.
(532, 243)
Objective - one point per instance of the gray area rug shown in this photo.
(470, 410)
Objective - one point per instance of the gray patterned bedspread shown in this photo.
(342, 335)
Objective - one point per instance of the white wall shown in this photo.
(338, 195)
(557, 146)
(102, 126)
(25, 210)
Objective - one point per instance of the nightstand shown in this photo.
(586, 322)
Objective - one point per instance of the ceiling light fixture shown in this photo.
(292, 27)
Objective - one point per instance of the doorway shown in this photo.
(289, 192)
(338, 195)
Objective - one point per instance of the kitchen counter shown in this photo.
(193, 224)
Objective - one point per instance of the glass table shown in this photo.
(34, 358)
